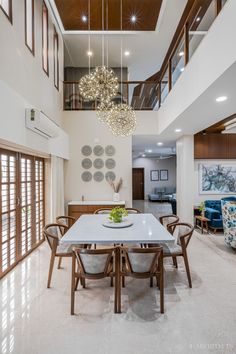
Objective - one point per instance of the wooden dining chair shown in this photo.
(133, 211)
(144, 263)
(92, 264)
(67, 221)
(103, 211)
(53, 233)
(167, 220)
(183, 233)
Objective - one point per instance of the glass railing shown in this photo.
(141, 95)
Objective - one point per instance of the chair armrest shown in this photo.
(212, 214)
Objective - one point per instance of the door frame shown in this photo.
(143, 172)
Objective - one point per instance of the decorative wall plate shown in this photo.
(98, 163)
(86, 176)
(98, 150)
(110, 150)
(110, 164)
(86, 150)
(98, 176)
(86, 163)
(110, 176)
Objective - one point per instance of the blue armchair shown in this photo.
(214, 214)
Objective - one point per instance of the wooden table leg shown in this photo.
(202, 225)
(117, 308)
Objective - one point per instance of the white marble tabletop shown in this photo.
(89, 229)
(96, 202)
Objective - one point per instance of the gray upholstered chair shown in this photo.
(53, 233)
(183, 233)
(144, 263)
(167, 220)
(93, 265)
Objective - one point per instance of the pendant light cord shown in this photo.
(89, 57)
(121, 52)
(102, 32)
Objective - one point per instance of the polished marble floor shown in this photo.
(36, 320)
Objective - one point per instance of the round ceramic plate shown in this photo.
(98, 176)
(98, 150)
(110, 164)
(117, 225)
(86, 176)
(110, 176)
(110, 150)
(86, 150)
(86, 163)
(98, 163)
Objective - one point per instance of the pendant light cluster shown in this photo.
(102, 85)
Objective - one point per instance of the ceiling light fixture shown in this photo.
(149, 151)
(89, 53)
(182, 69)
(143, 155)
(126, 53)
(84, 18)
(160, 143)
(198, 19)
(221, 98)
(181, 54)
(178, 130)
(133, 18)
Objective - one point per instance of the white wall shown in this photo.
(185, 178)
(154, 164)
(85, 129)
(198, 198)
(23, 83)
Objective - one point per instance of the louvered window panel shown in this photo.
(21, 206)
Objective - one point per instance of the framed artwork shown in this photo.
(217, 179)
(163, 175)
(154, 175)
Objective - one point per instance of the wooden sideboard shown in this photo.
(78, 208)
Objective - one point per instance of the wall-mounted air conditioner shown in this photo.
(39, 123)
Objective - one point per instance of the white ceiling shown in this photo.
(147, 144)
(147, 49)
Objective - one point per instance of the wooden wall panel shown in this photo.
(215, 146)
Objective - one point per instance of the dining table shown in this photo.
(94, 229)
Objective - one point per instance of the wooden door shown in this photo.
(138, 183)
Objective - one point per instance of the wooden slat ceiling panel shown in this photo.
(146, 11)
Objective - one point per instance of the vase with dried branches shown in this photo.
(116, 186)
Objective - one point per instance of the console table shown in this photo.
(79, 207)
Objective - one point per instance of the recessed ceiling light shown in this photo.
(198, 19)
(89, 53)
(133, 18)
(182, 69)
(181, 54)
(178, 130)
(84, 18)
(221, 98)
(126, 53)
(160, 143)
(143, 155)
(149, 150)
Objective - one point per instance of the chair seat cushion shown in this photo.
(171, 248)
(64, 248)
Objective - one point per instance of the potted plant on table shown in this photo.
(117, 214)
(202, 209)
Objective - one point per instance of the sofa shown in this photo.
(161, 194)
(213, 212)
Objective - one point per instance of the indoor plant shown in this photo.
(117, 214)
(116, 186)
(202, 208)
